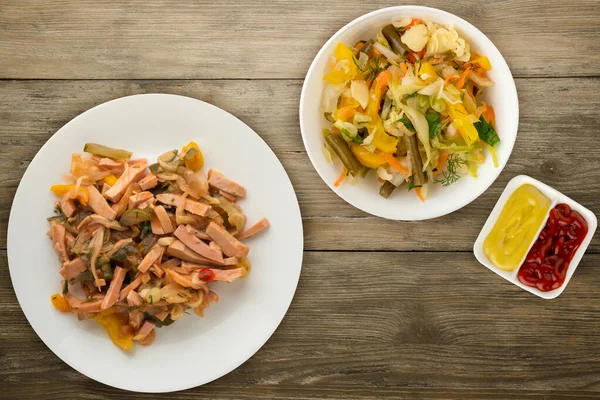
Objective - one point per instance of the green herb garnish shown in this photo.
(356, 139)
(451, 176)
(407, 124)
(486, 132)
(159, 324)
(411, 185)
(435, 125)
(370, 71)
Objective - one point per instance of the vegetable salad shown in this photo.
(407, 105)
(139, 244)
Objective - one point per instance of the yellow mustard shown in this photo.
(519, 221)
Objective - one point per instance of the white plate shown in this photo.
(194, 350)
(555, 197)
(403, 205)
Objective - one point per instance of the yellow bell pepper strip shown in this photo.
(366, 158)
(346, 110)
(460, 120)
(427, 68)
(112, 325)
(345, 72)
(59, 302)
(108, 311)
(344, 114)
(196, 160)
(110, 180)
(381, 139)
(483, 62)
(61, 190)
(343, 52)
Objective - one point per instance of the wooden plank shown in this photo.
(372, 325)
(137, 39)
(556, 143)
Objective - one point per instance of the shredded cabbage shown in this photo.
(422, 127)
(331, 95)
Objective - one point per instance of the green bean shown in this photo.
(415, 159)
(367, 47)
(343, 151)
(103, 151)
(391, 35)
(386, 189)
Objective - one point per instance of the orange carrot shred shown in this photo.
(462, 78)
(383, 78)
(395, 164)
(442, 160)
(449, 78)
(340, 179)
(489, 115)
(413, 22)
(418, 190)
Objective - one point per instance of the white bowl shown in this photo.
(403, 205)
(556, 198)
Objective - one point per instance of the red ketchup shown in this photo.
(546, 264)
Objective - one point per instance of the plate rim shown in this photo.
(246, 355)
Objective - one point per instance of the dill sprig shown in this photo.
(451, 176)
(370, 71)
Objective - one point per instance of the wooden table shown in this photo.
(383, 309)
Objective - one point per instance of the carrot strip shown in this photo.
(382, 79)
(418, 190)
(442, 160)
(395, 164)
(462, 78)
(489, 115)
(340, 179)
(413, 22)
(403, 67)
(449, 78)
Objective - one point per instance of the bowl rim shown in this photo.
(379, 212)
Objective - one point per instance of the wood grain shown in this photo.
(186, 39)
(559, 127)
(403, 325)
(383, 309)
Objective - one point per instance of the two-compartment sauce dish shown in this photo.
(535, 237)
